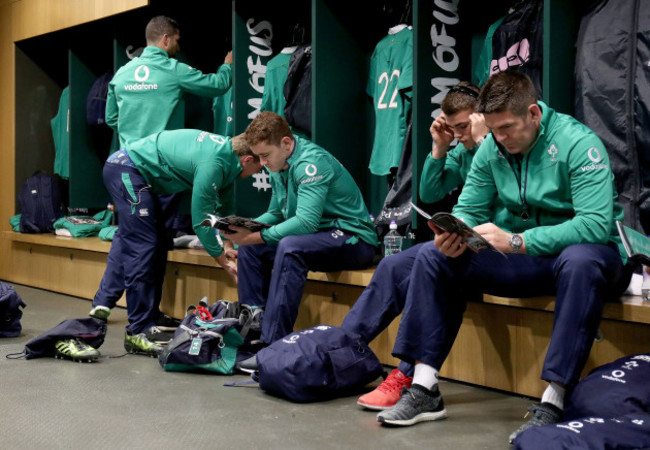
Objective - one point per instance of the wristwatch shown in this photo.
(516, 241)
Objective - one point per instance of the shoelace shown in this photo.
(540, 415)
(81, 345)
(392, 383)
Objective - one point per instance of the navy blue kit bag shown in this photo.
(607, 409)
(91, 330)
(10, 312)
(40, 204)
(612, 390)
(319, 363)
(212, 338)
(631, 431)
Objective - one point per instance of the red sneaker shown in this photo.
(387, 393)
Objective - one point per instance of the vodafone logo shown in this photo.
(217, 139)
(141, 73)
(594, 154)
(310, 170)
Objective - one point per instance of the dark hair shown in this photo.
(267, 127)
(509, 90)
(460, 97)
(158, 27)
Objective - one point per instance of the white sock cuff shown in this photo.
(425, 375)
(554, 394)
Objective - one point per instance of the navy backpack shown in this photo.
(612, 390)
(40, 204)
(10, 312)
(631, 431)
(297, 89)
(319, 363)
(96, 101)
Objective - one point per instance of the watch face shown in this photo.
(516, 241)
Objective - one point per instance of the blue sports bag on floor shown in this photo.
(319, 363)
(10, 312)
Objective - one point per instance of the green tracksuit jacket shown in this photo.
(315, 193)
(145, 91)
(565, 180)
(441, 176)
(180, 160)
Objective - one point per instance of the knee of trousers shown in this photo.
(579, 265)
(291, 245)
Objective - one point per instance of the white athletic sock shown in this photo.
(554, 394)
(425, 375)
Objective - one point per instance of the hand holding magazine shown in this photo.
(451, 224)
(224, 223)
(637, 245)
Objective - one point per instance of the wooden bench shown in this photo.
(501, 344)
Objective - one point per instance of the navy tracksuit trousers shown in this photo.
(581, 277)
(273, 276)
(138, 255)
(383, 300)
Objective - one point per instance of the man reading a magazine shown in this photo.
(445, 169)
(319, 222)
(540, 190)
(167, 163)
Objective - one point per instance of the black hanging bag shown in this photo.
(297, 89)
(518, 41)
(40, 204)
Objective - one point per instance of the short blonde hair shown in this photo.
(241, 147)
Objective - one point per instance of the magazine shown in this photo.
(82, 220)
(223, 223)
(637, 245)
(451, 224)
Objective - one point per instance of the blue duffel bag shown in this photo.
(10, 312)
(631, 431)
(612, 390)
(319, 363)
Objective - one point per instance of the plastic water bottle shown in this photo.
(392, 240)
(645, 287)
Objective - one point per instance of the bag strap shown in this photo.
(252, 314)
(20, 355)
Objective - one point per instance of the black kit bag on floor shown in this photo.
(614, 389)
(40, 204)
(319, 363)
(92, 331)
(630, 431)
(10, 312)
(249, 324)
(202, 344)
(212, 338)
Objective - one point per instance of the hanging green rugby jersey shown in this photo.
(144, 93)
(61, 134)
(390, 85)
(315, 193)
(181, 160)
(276, 75)
(222, 114)
(441, 176)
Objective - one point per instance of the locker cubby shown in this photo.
(343, 36)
